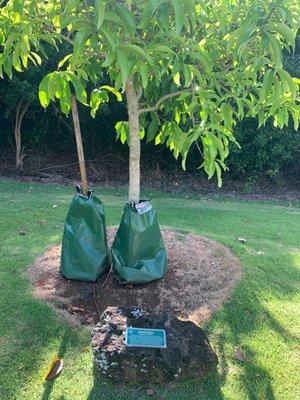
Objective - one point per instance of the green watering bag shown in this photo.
(84, 254)
(138, 252)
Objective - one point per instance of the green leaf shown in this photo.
(187, 75)
(49, 39)
(80, 39)
(152, 128)
(43, 92)
(267, 84)
(179, 16)
(142, 133)
(203, 57)
(64, 60)
(137, 50)
(109, 58)
(111, 16)
(122, 130)
(296, 116)
(113, 91)
(108, 37)
(127, 18)
(285, 31)
(161, 49)
(164, 13)
(243, 35)
(100, 6)
(149, 10)
(16, 58)
(276, 49)
(177, 115)
(285, 76)
(36, 57)
(98, 97)
(7, 66)
(78, 86)
(124, 66)
(72, 5)
(176, 78)
(143, 70)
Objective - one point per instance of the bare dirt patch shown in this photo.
(201, 276)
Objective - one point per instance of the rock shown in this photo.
(188, 353)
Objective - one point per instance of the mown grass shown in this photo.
(262, 316)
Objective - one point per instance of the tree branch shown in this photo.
(66, 39)
(161, 100)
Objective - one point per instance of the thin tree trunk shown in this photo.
(20, 112)
(134, 142)
(77, 131)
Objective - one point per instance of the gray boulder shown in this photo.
(188, 353)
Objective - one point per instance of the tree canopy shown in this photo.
(190, 69)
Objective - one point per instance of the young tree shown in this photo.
(19, 94)
(189, 69)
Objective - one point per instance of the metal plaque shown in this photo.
(144, 337)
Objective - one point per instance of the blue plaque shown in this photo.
(146, 337)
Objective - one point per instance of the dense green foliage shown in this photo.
(267, 152)
(191, 69)
(262, 316)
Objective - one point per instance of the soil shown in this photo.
(201, 276)
(111, 171)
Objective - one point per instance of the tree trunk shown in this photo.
(134, 142)
(20, 112)
(77, 131)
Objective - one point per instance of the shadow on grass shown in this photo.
(240, 317)
(104, 389)
(243, 315)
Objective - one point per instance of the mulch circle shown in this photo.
(201, 276)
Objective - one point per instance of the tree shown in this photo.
(19, 95)
(189, 69)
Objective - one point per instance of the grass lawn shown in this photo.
(263, 315)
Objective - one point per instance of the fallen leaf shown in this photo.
(240, 239)
(150, 392)
(55, 368)
(74, 309)
(240, 355)
(85, 350)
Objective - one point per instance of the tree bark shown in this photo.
(134, 142)
(77, 131)
(20, 112)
